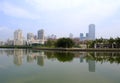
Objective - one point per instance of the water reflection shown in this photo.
(91, 64)
(18, 54)
(40, 59)
(91, 58)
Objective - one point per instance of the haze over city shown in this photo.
(60, 17)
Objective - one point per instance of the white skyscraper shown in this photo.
(18, 37)
(91, 34)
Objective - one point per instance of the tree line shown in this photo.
(111, 43)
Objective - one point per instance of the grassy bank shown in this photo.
(21, 47)
(78, 49)
(62, 49)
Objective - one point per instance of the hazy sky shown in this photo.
(60, 17)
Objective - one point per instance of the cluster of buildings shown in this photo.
(40, 37)
(31, 38)
(90, 35)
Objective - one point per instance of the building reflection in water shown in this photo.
(40, 59)
(30, 58)
(18, 54)
(91, 64)
(82, 56)
(91, 57)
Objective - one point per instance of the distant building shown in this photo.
(53, 37)
(91, 32)
(87, 36)
(2, 43)
(90, 35)
(18, 37)
(30, 36)
(10, 42)
(81, 37)
(41, 36)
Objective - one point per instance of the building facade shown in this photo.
(30, 36)
(41, 37)
(18, 37)
(91, 35)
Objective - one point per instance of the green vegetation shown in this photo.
(23, 46)
(64, 43)
(50, 43)
(111, 43)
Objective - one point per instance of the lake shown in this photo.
(30, 66)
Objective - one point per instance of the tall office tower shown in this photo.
(91, 32)
(41, 34)
(18, 37)
(30, 36)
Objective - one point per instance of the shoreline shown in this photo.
(79, 49)
(62, 49)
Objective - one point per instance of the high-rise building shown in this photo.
(18, 37)
(91, 35)
(81, 36)
(30, 36)
(41, 34)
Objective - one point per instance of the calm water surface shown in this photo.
(27, 66)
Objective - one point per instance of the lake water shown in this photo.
(27, 66)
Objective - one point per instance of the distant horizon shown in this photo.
(60, 17)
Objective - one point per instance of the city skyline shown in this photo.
(90, 35)
(59, 17)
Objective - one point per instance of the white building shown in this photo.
(18, 37)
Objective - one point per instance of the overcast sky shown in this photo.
(60, 17)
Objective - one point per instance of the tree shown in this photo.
(65, 43)
(117, 41)
(111, 42)
(50, 43)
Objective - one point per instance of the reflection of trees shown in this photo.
(113, 57)
(50, 55)
(61, 56)
(64, 57)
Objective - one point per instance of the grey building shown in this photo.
(91, 34)
(41, 34)
(30, 36)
